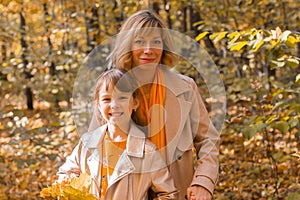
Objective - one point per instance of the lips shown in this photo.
(116, 114)
(147, 59)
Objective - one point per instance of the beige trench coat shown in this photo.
(188, 126)
(139, 168)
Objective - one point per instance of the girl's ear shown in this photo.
(136, 103)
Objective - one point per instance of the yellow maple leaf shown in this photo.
(83, 182)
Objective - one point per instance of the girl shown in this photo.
(122, 163)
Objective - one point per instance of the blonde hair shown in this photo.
(121, 55)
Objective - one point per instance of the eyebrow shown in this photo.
(152, 38)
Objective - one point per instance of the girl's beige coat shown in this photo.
(139, 167)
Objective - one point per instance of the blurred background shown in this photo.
(254, 43)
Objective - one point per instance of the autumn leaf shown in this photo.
(297, 154)
(201, 35)
(237, 46)
(216, 37)
(276, 33)
(83, 182)
(70, 188)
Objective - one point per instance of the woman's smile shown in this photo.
(147, 60)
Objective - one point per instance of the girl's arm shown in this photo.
(72, 165)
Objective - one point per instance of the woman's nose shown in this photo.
(147, 48)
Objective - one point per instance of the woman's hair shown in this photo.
(117, 78)
(144, 21)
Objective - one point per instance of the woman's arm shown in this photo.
(206, 142)
(162, 181)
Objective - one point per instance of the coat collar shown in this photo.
(175, 82)
(135, 142)
(93, 138)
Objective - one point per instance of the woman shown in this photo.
(117, 154)
(171, 110)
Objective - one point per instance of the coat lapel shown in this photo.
(134, 148)
(123, 168)
(135, 142)
(93, 142)
(177, 110)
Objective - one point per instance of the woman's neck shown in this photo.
(144, 74)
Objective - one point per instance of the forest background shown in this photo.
(254, 44)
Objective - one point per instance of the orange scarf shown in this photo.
(154, 100)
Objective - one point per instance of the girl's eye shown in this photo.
(123, 97)
(105, 99)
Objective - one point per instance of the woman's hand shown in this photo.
(198, 193)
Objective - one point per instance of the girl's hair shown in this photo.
(144, 21)
(118, 78)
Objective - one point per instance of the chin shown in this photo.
(119, 122)
(147, 66)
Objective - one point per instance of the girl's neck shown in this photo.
(117, 134)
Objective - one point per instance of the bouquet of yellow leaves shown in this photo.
(72, 188)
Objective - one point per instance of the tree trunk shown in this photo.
(87, 29)
(28, 91)
(95, 26)
(46, 16)
(184, 22)
(65, 37)
(3, 59)
(196, 17)
(167, 8)
(3, 51)
(156, 7)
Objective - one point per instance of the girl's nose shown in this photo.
(114, 104)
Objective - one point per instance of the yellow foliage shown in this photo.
(70, 188)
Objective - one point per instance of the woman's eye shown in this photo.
(156, 42)
(139, 42)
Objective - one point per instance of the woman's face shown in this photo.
(147, 49)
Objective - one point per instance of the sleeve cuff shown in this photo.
(204, 182)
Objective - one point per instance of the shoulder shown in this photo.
(178, 83)
(91, 139)
(173, 75)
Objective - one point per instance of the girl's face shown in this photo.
(147, 49)
(116, 106)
